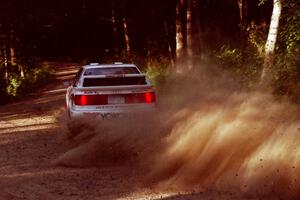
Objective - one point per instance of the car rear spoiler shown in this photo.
(114, 89)
(121, 87)
(114, 76)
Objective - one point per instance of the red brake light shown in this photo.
(84, 100)
(149, 97)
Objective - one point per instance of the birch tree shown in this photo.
(271, 42)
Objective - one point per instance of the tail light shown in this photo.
(85, 100)
(148, 97)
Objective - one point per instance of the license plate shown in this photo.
(111, 115)
(116, 100)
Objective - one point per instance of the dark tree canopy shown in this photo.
(232, 32)
(83, 28)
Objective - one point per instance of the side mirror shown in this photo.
(67, 83)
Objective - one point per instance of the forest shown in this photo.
(255, 42)
(220, 118)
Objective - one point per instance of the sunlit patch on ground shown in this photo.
(148, 194)
(27, 124)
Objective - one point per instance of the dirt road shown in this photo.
(32, 138)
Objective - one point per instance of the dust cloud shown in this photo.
(206, 134)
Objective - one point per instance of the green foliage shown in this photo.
(230, 57)
(286, 75)
(14, 83)
(289, 36)
(34, 79)
(22, 86)
(262, 2)
(257, 39)
(155, 67)
(42, 76)
(286, 69)
(157, 74)
(243, 66)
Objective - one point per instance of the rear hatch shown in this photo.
(114, 80)
(114, 92)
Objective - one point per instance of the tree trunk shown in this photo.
(179, 32)
(198, 43)
(266, 75)
(3, 79)
(189, 40)
(185, 34)
(169, 44)
(241, 9)
(242, 4)
(115, 30)
(127, 41)
(5, 60)
(12, 56)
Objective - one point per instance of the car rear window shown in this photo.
(114, 81)
(111, 71)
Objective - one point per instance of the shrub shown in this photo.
(286, 75)
(35, 79)
(243, 65)
(14, 83)
(18, 86)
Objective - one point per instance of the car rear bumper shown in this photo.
(109, 114)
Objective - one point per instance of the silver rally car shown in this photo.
(109, 90)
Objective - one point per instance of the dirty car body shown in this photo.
(109, 90)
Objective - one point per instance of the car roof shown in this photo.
(97, 65)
